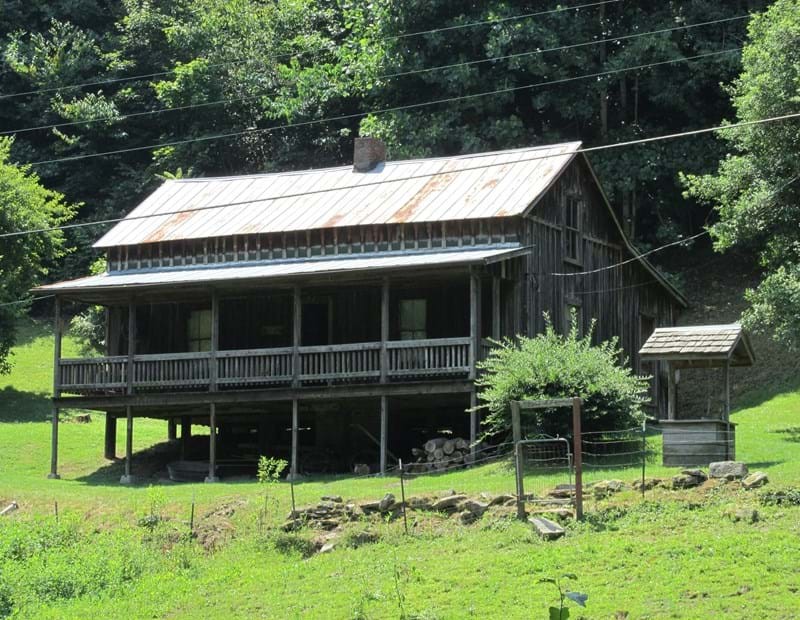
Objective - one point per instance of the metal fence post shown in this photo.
(578, 457)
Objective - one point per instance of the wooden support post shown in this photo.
(214, 369)
(131, 344)
(53, 475)
(297, 323)
(295, 423)
(384, 330)
(127, 477)
(186, 435)
(496, 309)
(172, 429)
(212, 443)
(519, 465)
(110, 451)
(516, 424)
(577, 459)
(730, 450)
(671, 392)
(474, 322)
(473, 424)
(384, 432)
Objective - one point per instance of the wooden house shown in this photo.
(336, 316)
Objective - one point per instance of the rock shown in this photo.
(449, 503)
(560, 513)
(419, 503)
(605, 488)
(387, 503)
(730, 470)
(467, 517)
(369, 507)
(748, 515)
(336, 499)
(755, 480)
(563, 491)
(647, 484)
(685, 481)
(475, 507)
(83, 418)
(327, 547)
(697, 473)
(361, 469)
(501, 499)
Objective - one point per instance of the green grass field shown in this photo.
(673, 554)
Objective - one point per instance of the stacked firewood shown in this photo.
(439, 454)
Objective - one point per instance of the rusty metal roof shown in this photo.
(700, 342)
(290, 269)
(497, 184)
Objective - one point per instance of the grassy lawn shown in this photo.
(673, 554)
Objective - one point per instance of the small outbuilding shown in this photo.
(698, 441)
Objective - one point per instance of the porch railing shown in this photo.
(317, 365)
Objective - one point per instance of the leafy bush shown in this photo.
(552, 365)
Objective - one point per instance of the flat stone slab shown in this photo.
(730, 470)
(546, 528)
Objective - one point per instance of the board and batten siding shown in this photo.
(619, 299)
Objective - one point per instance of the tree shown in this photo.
(24, 204)
(756, 189)
(552, 365)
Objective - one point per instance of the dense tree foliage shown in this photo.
(250, 67)
(756, 189)
(24, 204)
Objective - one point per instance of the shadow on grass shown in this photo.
(17, 406)
(146, 466)
(791, 433)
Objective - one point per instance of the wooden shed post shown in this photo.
(384, 330)
(671, 392)
(214, 369)
(295, 423)
(110, 445)
(212, 443)
(384, 432)
(496, 309)
(172, 429)
(127, 477)
(297, 322)
(56, 389)
(730, 449)
(474, 321)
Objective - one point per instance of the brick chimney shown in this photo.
(368, 153)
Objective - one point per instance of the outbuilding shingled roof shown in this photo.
(700, 342)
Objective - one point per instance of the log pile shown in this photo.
(439, 454)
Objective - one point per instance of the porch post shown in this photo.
(293, 470)
(671, 391)
(131, 343)
(474, 321)
(214, 370)
(56, 389)
(212, 443)
(384, 330)
(186, 434)
(172, 429)
(384, 432)
(730, 446)
(297, 323)
(496, 334)
(110, 451)
(127, 478)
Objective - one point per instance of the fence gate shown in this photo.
(544, 473)
(547, 463)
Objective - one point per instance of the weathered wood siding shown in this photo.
(619, 299)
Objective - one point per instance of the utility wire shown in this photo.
(24, 301)
(407, 35)
(399, 108)
(591, 149)
(469, 63)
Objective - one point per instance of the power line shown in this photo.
(591, 149)
(24, 301)
(380, 111)
(469, 63)
(314, 51)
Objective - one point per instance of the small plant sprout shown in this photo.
(269, 472)
(579, 598)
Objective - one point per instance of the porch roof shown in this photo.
(285, 269)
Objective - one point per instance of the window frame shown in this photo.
(413, 332)
(575, 231)
(194, 343)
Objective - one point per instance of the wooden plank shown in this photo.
(127, 477)
(384, 432)
(496, 325)
(110, 443)
(672, 392)
(297, 305)
(213, 368)
(57, 337)
(131, 344)
(546, 528)
(384, 363)
(577, 456)
(474, 321)
(212, 443)
(295, 424)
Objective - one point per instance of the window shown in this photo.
(199, 332)
(413, 319)
(573, 243)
